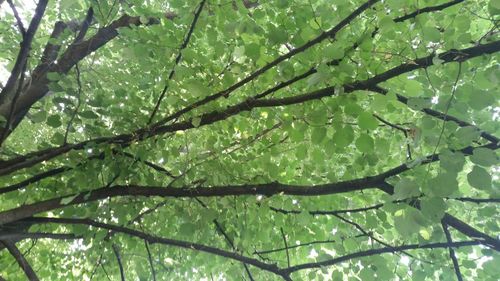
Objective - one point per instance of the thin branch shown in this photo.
(403, 130)
(79, 93)
(456, 223)
(21, 260)
(286, 247)
(437, 114)
(448, 105)
(378, 252)
(247, 105)
(476, 200)
(150, 164)
(177, 60)
(160, 240)
(294, 246)
(20, 24)
(150, 259)
(225, 93)
(228, 239)
(323, 212)
(429, 9)
(119, 260)
(452, 253)
(267, 189)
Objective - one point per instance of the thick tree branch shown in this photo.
(37, 235)
(456, 223)
(306, 74)
(73, 54)
(267, 189)
(225, 93)
(24, 51)
(21, 260)
(429, 9)
(31, 159)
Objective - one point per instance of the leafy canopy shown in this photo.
(255, 140)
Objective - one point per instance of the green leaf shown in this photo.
(343, 137)
(443, 185)
(479, 178)
(425, 234)
(451, 161)
(466, 135)
(413, 88)
(318, 135)
(406, 188)
(334, 52)
(405, 222)
(53, 76)
(187, 229)
(196, 121)
(277, 35)
(197, 88)
(54, 121)
(433, 208)
(67, 200)
(88, 114)
(495, 4)
(365, 143)
(480, 100)
(366, 121)
(431, 34)
(484, 157)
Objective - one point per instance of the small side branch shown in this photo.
(20, 24)
(119, 260)
(286, 247)
(177, 60)
(452, 252)
(150, 259)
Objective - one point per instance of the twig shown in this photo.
(79, 82)
(405, 132)
(452, 252)
(146, 244)
(18, 19)
(118, 259)
(177, 60)
(221, 230)
(286, 247)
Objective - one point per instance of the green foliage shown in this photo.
(272, 131)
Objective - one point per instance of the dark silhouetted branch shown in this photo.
(21, 260)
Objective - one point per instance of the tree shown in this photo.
(256, 140)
